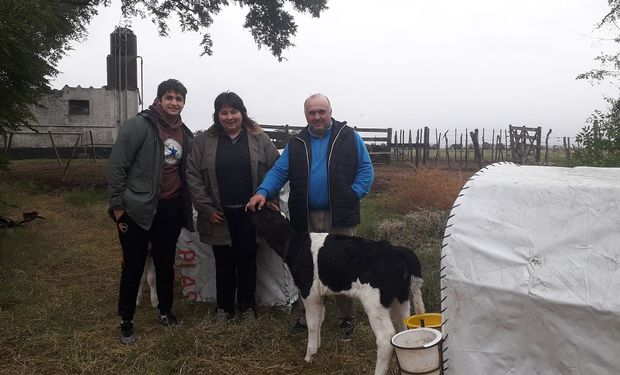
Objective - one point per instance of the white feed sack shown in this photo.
(531, 280)
(274, 283)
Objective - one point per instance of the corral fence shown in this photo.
(378, 140)
(471, 149)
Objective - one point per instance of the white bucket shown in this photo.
(418, 351)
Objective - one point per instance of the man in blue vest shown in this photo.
(329, 170)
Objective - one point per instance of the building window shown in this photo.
(79, 107)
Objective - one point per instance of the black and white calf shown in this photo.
(378, 274)
(148, 278)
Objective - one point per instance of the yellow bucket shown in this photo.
(431, 320)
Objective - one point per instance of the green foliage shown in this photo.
(35, 34)
(269, 23)
(609, 63)
(601, 138)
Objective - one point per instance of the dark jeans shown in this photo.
(134, 240)
(235, 266)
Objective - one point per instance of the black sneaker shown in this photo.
(168, 320)
(224, 317)
(299, 326)
(127, 336)
(248, 314)
(347, 327)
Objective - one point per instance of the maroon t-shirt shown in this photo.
(173, 152)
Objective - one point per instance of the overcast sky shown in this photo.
(403, 64)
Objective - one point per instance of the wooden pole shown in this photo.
(538, 140)
(461, 152)
(437, 146)
(8, 144)
(426, 144)
(474, 139)
(547, 147)
(466, 149)
(55, 149)
(77, 140)
(455, 134)
(417, 148)
(447, 148)
(482, 146)
(92, 146)
(493, 151)
(410, 149)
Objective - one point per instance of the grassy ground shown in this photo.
(58, 294)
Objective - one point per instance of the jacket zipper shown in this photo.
(329, 163)
(307, 184)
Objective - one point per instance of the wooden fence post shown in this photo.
(426, 145)
(8, 144)
(447, 148)
(437, 146)
(54, 147)
(92, 145)
(547, 147)
(538, 136)
(474, 140)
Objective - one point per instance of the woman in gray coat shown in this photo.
(225, 166)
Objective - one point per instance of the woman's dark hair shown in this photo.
(171, 85)
(232, 100)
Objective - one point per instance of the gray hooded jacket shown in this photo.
(135, 170)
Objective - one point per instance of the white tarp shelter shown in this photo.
(274, 283)
(531, 272)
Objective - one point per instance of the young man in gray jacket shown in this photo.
(149, 199)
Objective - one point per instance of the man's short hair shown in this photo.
(171, 85)
(317, 95)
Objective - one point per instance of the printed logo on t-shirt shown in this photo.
(172, 151)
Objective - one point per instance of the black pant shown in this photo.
(235, 266)
(134, 240)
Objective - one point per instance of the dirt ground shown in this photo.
(83, 173)
(49, 175)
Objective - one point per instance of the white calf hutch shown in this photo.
(531, 276)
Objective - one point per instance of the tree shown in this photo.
(600, 139)
(269, 23)
(609, 63)
(35, 34)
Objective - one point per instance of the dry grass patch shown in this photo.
(423, 232)
(426, 189)
(59, 285)
(59, 279)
